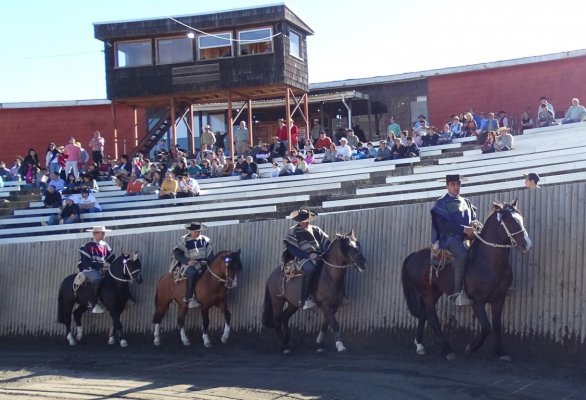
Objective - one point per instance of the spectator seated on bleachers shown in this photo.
(87, 202)
(152, 184)
(330, 154)
(205, 171)
(275, 170)
(193, 169)
(169, 187)
(344, 151)
(69, 213)
(309, 157)
(399, 150)
(545, 117)
(455, 128)
(361, 152)
(504, 140)
(228, 168)
(352, 140)
(216, 168)
(372, 151)
(489, 144)
(323, 143)
(87, 182)
(288, 168)
(134, 186)
(412, 148)
(576, 113)
(180, 168)
(72, 185)
(250, 170)
(188, 187)
(301, 167)
(261, 154)
(384, 153)
(5, 172)
(445, 136)
(56, 181)
(52, 197)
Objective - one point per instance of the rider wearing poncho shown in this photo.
(193, 251)
(452, 217)
(95, 256)
(305, 243)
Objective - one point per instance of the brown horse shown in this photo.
(487, 278)
(211, 290)
(328, 290)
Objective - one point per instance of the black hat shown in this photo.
(195, 226)
(543, 98)
(421, 116)
(454, 178)
(303, 215)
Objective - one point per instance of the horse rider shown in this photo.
(192, 252)
(95, 258)
(305, 243)
(452, 216)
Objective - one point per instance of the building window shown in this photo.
(174, 50)
(134, 54)
(217, 46)
(295, 44)
(256, 41)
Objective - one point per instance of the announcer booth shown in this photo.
(168, 65)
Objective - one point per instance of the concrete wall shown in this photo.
(549, 304)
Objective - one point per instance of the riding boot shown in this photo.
(189, 298)
(305, 292)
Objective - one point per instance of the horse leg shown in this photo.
(181, 311)
(433, 321)
(227, 319)
(160, 311)
(78, 327)
(205, 319)
(322, 334)
(480, 313)
(496, 310)
(283, 327)
(420, 350)
(329, 314)
(117, 330)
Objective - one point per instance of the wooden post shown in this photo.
(115, 130)
(307, 119)
(174, 130)
(250, 122)
(191, 133)
(231, 126)
(136, 128)
(287, 119)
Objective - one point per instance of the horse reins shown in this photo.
(509, 234)
(228, 281)
(126, 272)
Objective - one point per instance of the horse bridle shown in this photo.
(125, 271)
(228, 281)
(351, 264)
(509, 234)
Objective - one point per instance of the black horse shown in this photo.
(487, 278)
(114, 293)
(328, 291)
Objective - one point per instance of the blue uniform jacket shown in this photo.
(449, 216)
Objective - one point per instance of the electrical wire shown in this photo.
(224, 38)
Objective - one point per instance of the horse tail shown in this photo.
(412, 297)
(267, 310)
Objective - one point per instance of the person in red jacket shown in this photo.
(322, 143)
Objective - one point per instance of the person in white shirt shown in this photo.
(188, 187)
(344, 152)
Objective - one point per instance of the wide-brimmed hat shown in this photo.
(303, 215)
(98, 229)
(195, 226)
(453, 178)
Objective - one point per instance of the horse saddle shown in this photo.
(79, 281)
(291, 269)
(440, 257)
(179, 273)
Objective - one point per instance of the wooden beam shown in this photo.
(115, 130)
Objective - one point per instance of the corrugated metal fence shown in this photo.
(549, 303)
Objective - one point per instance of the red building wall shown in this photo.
(511, 89)
(28, 127)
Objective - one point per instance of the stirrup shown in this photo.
(309, 303)
(193, 303)
(97, 309)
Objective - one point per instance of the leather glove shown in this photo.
(313, 256)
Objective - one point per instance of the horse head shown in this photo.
(350, 253)
(131, 268)
(231, 267)
(510, 218)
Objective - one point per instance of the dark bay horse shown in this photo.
(211, 290)
(114, 293)
(487, 278)
(327, 289)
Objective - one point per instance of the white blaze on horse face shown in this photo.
(519, 218)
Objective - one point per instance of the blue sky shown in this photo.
(49, 51)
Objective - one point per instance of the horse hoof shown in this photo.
(287, 351)
(505, 357)
(321, 350)
(468, 349)
(111, 340)
(123, 343)
(207, 345)
(186, 343)
(451, 357)
(224, 339)
(420, 352)
(340, 347)
(157, 342)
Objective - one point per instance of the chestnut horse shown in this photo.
(114, 293)
(487, 278)
(327, 289)
(211, 290)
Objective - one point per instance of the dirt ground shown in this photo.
(94, 370)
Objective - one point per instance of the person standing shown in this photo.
(208, 138)
(73, 157)
(452, 216)
(393, 127)
(96, 146)
(241, 138)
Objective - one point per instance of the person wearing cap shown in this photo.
(69, 214)
(384, 152)
(191, 254)
(548, 106)
(208, 138)
(95, 258)
(452, 216)
(305, 243)
(532, 180)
